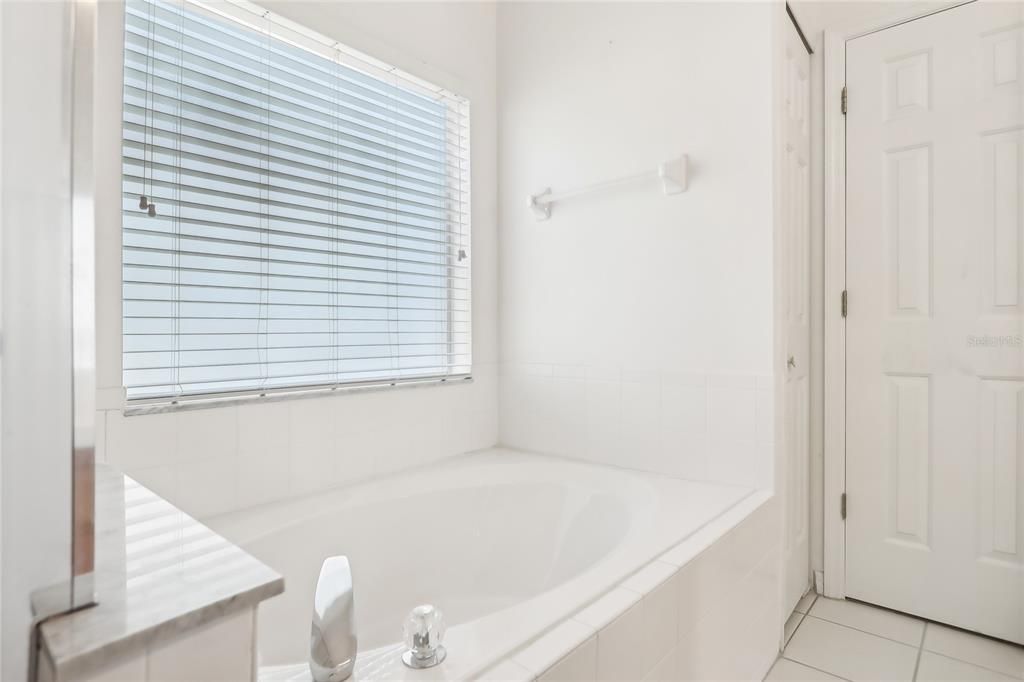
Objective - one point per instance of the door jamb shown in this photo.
(834, 325)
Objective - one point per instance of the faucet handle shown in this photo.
(424, 629)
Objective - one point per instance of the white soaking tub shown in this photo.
(506, 544)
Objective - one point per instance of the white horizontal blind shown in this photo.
(311, 221)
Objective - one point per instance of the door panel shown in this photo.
(795, 197)
(935, 364)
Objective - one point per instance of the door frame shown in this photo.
(834, 324)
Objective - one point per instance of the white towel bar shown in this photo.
(673, 176)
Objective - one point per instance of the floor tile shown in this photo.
(871, 619)
(850, 653)
(791, 671)
(792, 623)
(804, 605)
(988, 653)
(936, 668)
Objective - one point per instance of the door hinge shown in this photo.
(842, 506)
(843, 303)
(844, 100)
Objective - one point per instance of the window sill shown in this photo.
(201, 402)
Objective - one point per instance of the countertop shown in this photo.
(159, 573)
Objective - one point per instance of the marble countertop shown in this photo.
(159, 573)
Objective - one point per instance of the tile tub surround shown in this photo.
(707, 609)
(170, 592)
(220, 459)
(681, 596)
(713, 427)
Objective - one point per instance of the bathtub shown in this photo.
(507, 544)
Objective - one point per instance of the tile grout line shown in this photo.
(975, 664)
(920, 651)
(807, 665)
(920, 647)
(866, 632)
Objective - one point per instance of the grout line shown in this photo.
(920, 649)
(866, 632)
(974, 664)
(820, 670)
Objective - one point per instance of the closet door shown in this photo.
(935, 378)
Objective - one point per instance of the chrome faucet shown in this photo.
(332, 645)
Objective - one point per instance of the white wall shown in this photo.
(213, 460)
(36, 321)
(636, 329)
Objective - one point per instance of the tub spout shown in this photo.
(332, 645)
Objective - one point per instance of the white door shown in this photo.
(935, 274)
(795, 236)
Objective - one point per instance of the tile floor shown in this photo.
(828, 639)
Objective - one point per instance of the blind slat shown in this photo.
(311, 222)
(288, 57)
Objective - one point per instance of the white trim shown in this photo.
(835, 283)
(834, 326)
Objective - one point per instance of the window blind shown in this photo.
(294, 214)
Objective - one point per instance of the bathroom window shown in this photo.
(294, 214)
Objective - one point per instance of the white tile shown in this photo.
(641, 423)
(210, 433)
(132, 670)
(207, 486)
(313, 447)
(660, 610)
(876, 621)
(708, 646)
(142, 440)
(760, 639)
(162, 480)
(764, 406)
(597, 372)
(607, 608)
(358, 453)
(569, 371)
(737, 462)
(1000, 656)
(850, 653)
(547, 650)
(731, 410)
(506, 670)
(649, 577)
(218, 652)
(683, 425)
(264, 430)
(736, 381)
(934, 667)
(792, 623)
(604, 420)
(806, 601)
(262, 479)
(791, 671)
(580, 665)
(619, 647)
(667, 668)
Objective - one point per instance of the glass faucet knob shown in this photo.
(424, 629)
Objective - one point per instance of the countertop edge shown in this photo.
(94, 660)
(160, 575)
